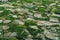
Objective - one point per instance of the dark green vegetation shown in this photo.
(34, 19)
